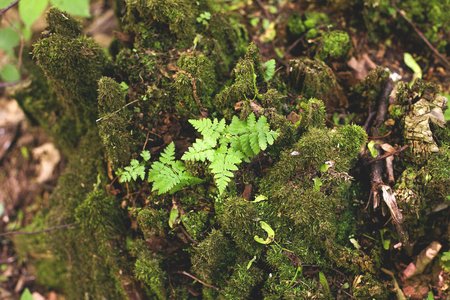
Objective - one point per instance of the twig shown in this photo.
(187, 235)
(146, 140)
(386, 155)
(195, 278)
(379, 137)
(9, 7)
(69, 257)
(115, 112)
(39, 231)
(444, 60)
(8, 84)
(264, 10)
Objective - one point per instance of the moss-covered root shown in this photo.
(314, 79)
(112, 123)
(73, 64)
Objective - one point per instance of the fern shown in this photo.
(169, 175)
(134, 170)
(225, 147)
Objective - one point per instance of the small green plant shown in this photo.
(445, 261)
(170, 175)
(270, 234)
(412, 64)
(135, 169)
(270, 71)
(226, 146)
(204, 18)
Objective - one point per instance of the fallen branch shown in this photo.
(39, 231)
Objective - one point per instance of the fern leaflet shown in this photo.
(169, 175)
(236, 142)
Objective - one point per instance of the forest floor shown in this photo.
(30, 165)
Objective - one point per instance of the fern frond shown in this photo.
(169, 175)
(169, 154)
(200, 150)
(222, 166)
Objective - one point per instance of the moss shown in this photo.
(148, 270)
(73, 64)
(312, 114)
(176, 16)
(367, 92)
(244, 82)
(195, 83)
(242, 281)
(211, 258)
(314, 79)
(113, 121)
(152, 222)
(298, 24)
(237, 220)
(196, 223)
(60, 22)
(430, 18)
(41, 106)
(333, 46)
(92, 250)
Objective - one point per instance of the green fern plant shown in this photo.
(167, 174)
(170, 175)
(135, 169)
(226, 146)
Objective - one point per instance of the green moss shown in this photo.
(429, 17)
(367, 92)
(333, 46)
(195, 83)
(60, 22)
(244, 83)
(314, 79)
(242, 281)
(113, 121)
(148, 270)
(41, 106)
(90, 251)
(73, 64)
(237, 220)
(312, 114)
(212, 257)
(298, 24)
(196, 223)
